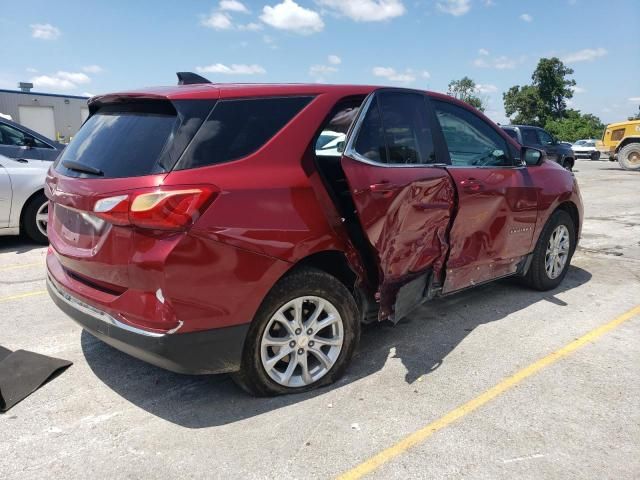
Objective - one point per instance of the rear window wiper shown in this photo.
(81, 167)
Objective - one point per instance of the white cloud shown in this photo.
(585, 55)
(366, 10)
(526, 17)
(251, 27)
(499, 63)
(290, 16)
(233, 6)
(334, 59)
(489, 3)
(45, 31)
(234, 69)
(87, 94)
(217, 21)
(577, 89)
(394, 76)
(486, 88)
(92, 69)
(425, 74)
(32, 70)
(483, 51)
(634, 99)
(61, 80)
(319, 70)
(454, 7)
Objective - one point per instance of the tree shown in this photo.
(525, 103)
(575, 126)
(543, 100)
(466, 90)
(553, 87)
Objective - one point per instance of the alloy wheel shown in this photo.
(302, 341)
(557, 251)
(42, 218)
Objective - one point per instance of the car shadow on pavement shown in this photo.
(422, 343)
(18, 244)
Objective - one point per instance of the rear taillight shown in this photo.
(165, 208)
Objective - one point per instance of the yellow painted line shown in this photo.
(22, 295)
(21, 265)
(419, 436)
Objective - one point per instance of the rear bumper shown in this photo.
(201, 352)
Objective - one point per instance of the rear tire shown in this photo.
(276, 336)
(567, 164)
(540, 276)
(629, 156)
(34, 224)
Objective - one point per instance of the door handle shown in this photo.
(471, 185)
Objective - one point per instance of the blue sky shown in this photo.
(95, 47)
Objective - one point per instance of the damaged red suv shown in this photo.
(210, 228)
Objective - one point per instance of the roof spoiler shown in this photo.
(189, 78)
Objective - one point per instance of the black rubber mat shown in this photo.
(22, 373)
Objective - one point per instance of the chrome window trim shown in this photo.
(96, 313)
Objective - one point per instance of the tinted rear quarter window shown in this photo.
(237, 128)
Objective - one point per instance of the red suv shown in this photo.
(252, 229)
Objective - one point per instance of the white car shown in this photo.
(23, 205)
(586, 149)
(332, 148)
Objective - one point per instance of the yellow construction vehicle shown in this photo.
(621, 141)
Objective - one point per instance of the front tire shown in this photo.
(595, 156)
(567, 164)
(629, 156)
(553, 252)
(35, 218)
(302, 337)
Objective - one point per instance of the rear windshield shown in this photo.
(121, 142)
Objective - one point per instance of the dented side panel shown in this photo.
(405, 213)
(494, 224)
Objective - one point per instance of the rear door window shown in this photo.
(237, 128)
(529, 136)
(406, 128)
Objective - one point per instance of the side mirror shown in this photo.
(531, 156)
(28, 141)
(340, 146)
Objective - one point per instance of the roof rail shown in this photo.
(189, 78)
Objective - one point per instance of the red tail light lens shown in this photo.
(166, 208)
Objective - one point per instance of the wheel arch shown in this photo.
(626, 141)
(572, 209)
(333, 262)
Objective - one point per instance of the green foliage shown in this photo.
(550, 79)
(543, 100)
(465, 89)
(525, 103)
(575, 126)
